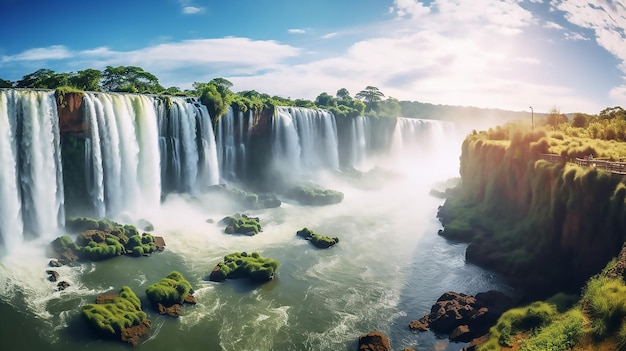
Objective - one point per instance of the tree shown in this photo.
(325, 99)
(222, 85)
(37, 79)
(555, 118)
(372, 96)
(389, 108)
(343, 94)
(87, 79)
(6, 83)
(130, 79)
(613, 112)
(213, 100)
(580, 120)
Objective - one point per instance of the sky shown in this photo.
(508, 54)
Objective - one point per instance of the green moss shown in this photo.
(246, 199)
(242, 265)
(170, 290)
(318, 240)
(112, 317)
(241, 224)
(314, 195)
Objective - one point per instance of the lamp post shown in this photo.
(532, 119)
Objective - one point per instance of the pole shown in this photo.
(532, 119)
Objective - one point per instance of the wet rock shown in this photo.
(53, 276)
(464, 317)
(55, 263)
(62, 285)
(172, 311)
(374, 341)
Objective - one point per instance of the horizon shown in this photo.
(506, 54)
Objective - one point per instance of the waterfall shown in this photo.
(209, 168)
(305, 140)
(232, 143)
(187, 145)
(359, 134)
(31, 178)
(10, 204)
(123, 163)
(434, 141)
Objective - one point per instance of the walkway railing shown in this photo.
(613, 167)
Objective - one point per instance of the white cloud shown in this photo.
(553, 25)
(55, 52)
(575, 36)
(470, 53)
(607, 19)
(296, 31)
(188, 8)
(191, 10)
(330, 35)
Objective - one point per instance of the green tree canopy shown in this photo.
(372, 96)
(325, 99)
(87, 79)
(613, 112)
(343, 94)
(6, 83)
(555, 118)
(130, 79)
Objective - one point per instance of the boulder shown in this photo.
(374, 341)
(62, 285)
(53, 276)
(464, 317)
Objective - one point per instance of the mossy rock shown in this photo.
(241, 224)
(247, 200)
(114, 315)
(102, 239)
(241, 265)
(318, 240)
(169, 291)
(314, 196)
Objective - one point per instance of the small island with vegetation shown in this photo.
(169, 293)
(241, 265)
(241, 224)
(314, 195)
(102, 239)
(118, 316)
(318, 240)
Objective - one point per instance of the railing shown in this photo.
(613, 167)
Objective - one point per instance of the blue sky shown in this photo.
(509, 54)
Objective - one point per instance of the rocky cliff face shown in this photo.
(546, 226)
(72, 121)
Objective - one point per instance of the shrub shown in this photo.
(606, 299)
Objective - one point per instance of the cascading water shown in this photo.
(123, 164)
(10, 199)
(232, 143)
(360, 131)
(304, 140)
(32, 185)
(187, 145)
